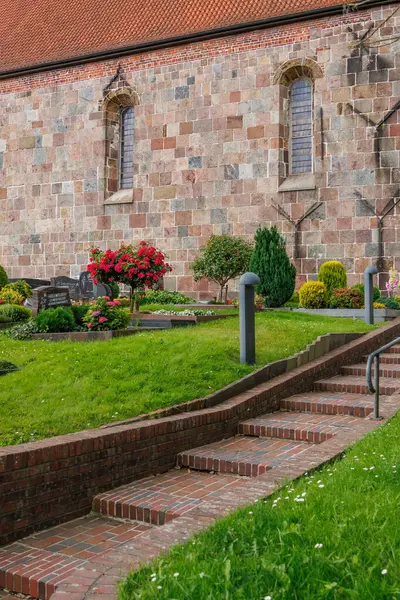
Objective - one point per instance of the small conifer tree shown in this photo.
(271, 263)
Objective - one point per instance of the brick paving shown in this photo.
(85, 559)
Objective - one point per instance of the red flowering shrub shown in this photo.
(106, 314)
(138, 267)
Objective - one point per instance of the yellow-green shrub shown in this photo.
(313, 294)
(333, 274)
(10, 296)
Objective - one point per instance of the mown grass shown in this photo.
(332, 535)
(68, 386)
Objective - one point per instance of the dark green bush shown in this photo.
(56, 320)
(360, 287)
(389, 302)
(164, 297)
(114, 288)
(271, 263)
(3, 277)
(79, 311)
(14, 313)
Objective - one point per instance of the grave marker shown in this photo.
(49, 297)
(71, 284)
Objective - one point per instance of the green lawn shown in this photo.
(68, 386)
(332, 535)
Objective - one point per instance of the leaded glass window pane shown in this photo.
(301, 146)
(126, 148)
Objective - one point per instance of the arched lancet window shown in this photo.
(301, 123)
(126, 148)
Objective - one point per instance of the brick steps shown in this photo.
(394, 349)
(246, 456)
(360, 370)
(355, 385)
(387, 358)
(158, 500)
(84, 559)
(329, 403)
(307, 427)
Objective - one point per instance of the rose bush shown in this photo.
(106, 314)
(138, 267)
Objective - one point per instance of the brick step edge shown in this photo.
(287, 432)
(351, 388)
(130, 512)
(325, 408)
(201, 463)
(358, 371)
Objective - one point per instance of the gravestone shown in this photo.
(71, 284)
(91, 291)
(49, 297)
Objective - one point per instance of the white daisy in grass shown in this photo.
(176, 574)
(318, 546)
(384, 571)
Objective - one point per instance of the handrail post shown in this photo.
(376, 385)
(247, 317)
(369, 294)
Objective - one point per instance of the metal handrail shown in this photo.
(374, 389)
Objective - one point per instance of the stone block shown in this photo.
(218, 215)
(195, 162)
(181, 92)
(231, 172)
(164, 192)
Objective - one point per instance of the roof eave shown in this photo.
(184, 39)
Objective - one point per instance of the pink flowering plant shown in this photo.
(392, 286)
(138, 267)
(106, 314)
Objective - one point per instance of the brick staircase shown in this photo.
(84, 558)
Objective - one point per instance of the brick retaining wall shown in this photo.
(47, 482)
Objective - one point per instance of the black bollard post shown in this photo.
(369, 294)
(247, 317)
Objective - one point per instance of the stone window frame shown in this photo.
(113, 104)
(286, 75)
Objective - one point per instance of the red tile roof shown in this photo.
(35, 32)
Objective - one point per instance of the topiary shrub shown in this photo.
(223, 258)
(271, 263)
(55, 320)
(313, 294)
(333, 275)
(13, 313)
(346, 298)
(80, 311)
(9, 296)
(3, 277)
(376, 291)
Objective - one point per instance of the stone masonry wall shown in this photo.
(210, 141)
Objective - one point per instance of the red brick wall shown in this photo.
(210, 136)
